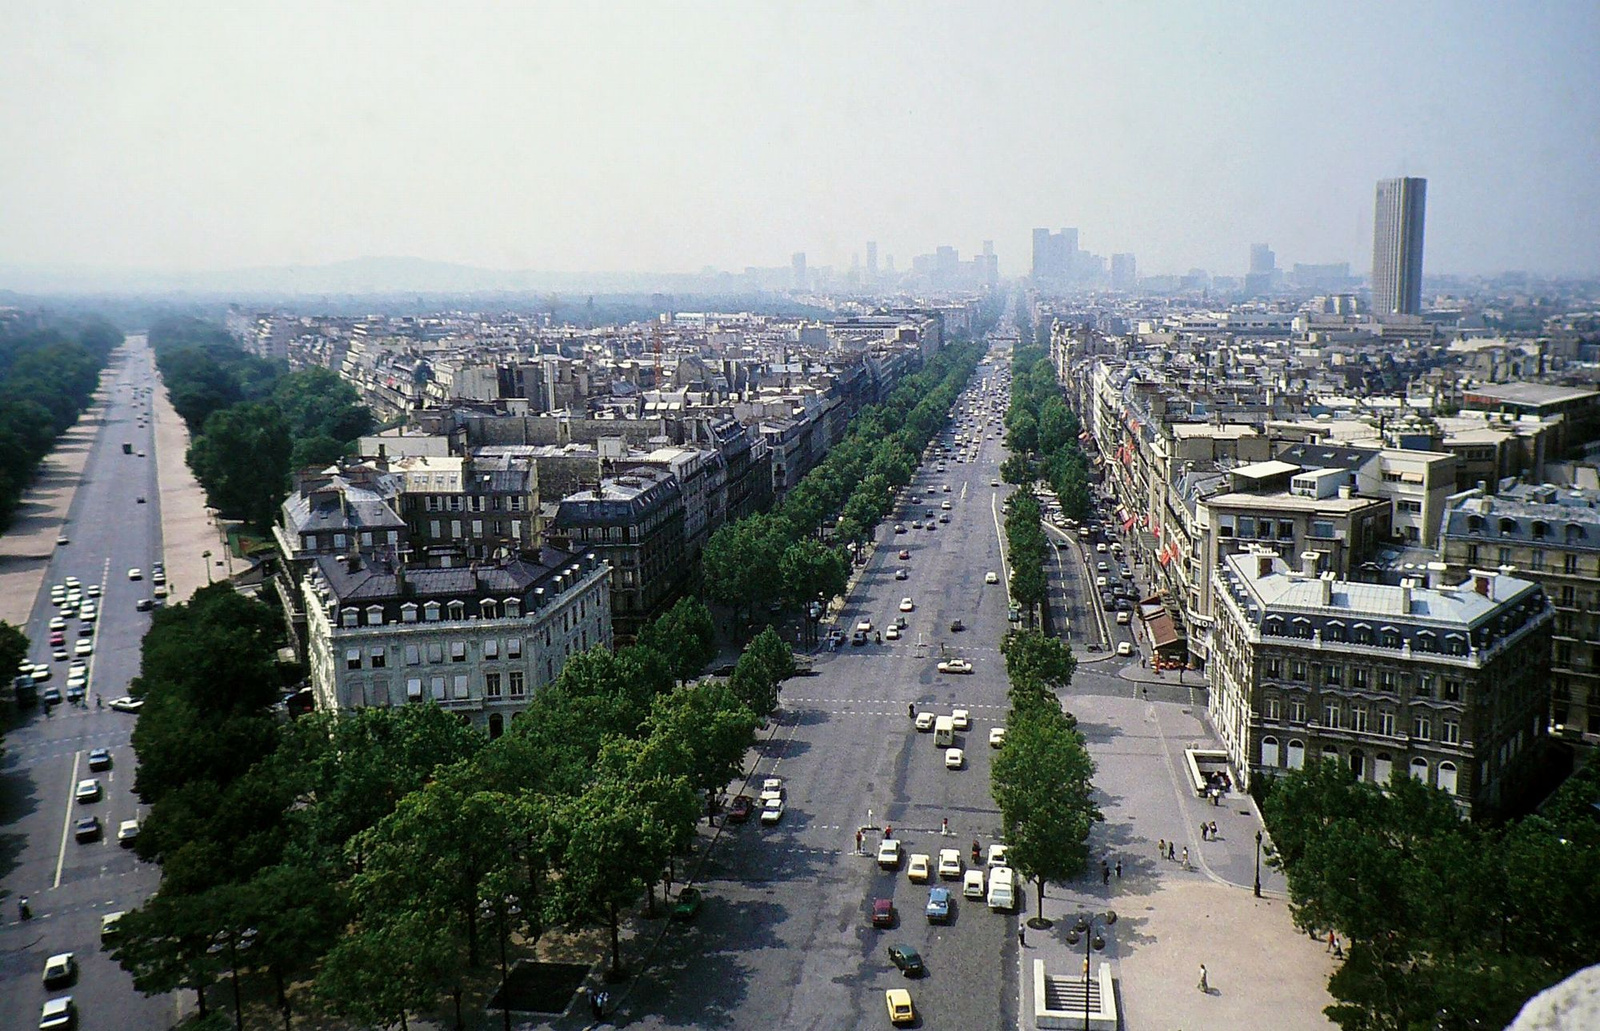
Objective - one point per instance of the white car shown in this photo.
(127, 833)
(997, 736)
(57, 1013)
(126, 703)
(889, 853)
(108, 925)
(864, 626)
(925, 721)
(906, 605)
(960, 719)
(60, 969)
(945, 505)
(771, 811)
(135, 573)
(892, 633)
(77, 681)
(997, 855)
(950, 863)
(87, 791)
(1124, 648)
(972, 885)
(57, 623)
(93, 590)
(955, 666)
(84, 647)
(991, 577)
(901, 574)
(920, 868)
(72, 583)
(1124, 618)
(954, 758)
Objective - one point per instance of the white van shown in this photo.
(944, 732)
(1002, 889)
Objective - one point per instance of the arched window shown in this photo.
(1297, 754)
(1541, 529)
(1382, 767)
(497, 725)
(1474, 522)
(1508, 525)
(1330, 752)
(1269, 752)
(1447, 777)
(1575, 532)
(1419, 769)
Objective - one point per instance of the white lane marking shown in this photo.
(999, 535)
(66, 823)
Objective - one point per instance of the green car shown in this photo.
(907, 959)
(688, 904)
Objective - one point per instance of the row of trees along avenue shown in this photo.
(1042, 434)
(782, 557)
(1042, 776)
(1451, 925)
(251, 421)
(381, 862)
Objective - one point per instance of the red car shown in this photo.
(882, 912)
(57, 637)
(739, 809)
(905, 554)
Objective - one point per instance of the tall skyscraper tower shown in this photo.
(1042, 265)
(1262, 260)
(872, 258)
(1397, 246)
(797, 264)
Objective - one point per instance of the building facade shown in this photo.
(1550, 535)
(477, 641)
(1397, 246)
(1447, 684)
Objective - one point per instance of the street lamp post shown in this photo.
(205, 556)
(1258, 864)
(1091, 942)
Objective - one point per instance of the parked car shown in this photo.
(889, 854)
(920, 868)
(925, 720)
(972, 883)
(882, 912)
(771, 811)
(900, 1009)
(950, 863)
(688, 904)
(961, 719)
(739, 809)
(954, 758)
(997, 736)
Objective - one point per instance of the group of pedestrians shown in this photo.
(1168, 850)
(1208, 831)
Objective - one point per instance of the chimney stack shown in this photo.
(1310, 561)
(1405, 595)
(1263, 564)
(1483, 583)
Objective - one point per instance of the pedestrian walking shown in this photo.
(1022, 937)
(1172, 852)
(888, 832)
(1161, 849)
(1119, 868)
(1213, 830)
(858, 839)
(1186, 857)
(944, 828)
(1332, 941)
(1205, 986)
(1105, 872)
(1204, 833)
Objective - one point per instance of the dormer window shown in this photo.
(1540, 529)
(488, 608)
(458, 610)
(349, 617)
(374, 615)
(513, 608)
(430, 612)
(408, 612)
(1575, 532)
(1507, 526)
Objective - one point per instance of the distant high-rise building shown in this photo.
(989, 265)
(1397, 246)
(1124, 273)
(872, 257)
(798, 264)
(1055, 255)
(1262, 260)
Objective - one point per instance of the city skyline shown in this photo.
(182, 137)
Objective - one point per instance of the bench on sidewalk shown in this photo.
(1061, 1002)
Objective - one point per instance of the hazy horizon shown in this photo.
(639, 138)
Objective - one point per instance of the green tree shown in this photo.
(241, 458)
(1039, 662)
(713, 728)
(1042, 782)
(685, 636)
(13, 650)
(813, 570)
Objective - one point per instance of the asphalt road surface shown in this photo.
(785, 939)
(71, 885)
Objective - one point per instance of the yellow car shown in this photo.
(900, 1009)
(921, 868)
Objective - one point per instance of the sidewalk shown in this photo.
(187, 530)
(26, 548)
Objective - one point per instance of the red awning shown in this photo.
(1163, 634)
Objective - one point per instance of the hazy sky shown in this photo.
(668, 136)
